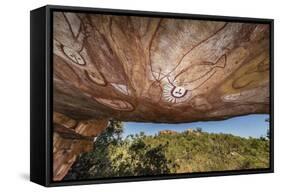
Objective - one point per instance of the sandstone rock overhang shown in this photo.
(158, 70)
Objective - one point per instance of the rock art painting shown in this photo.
(144, 69)
(133, 63)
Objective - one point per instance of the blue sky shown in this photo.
(244, 126)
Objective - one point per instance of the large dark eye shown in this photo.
(178, 92)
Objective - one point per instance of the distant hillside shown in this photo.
(196, 151)
(188, 131)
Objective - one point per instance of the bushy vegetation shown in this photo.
(200, 151)
(185, 152)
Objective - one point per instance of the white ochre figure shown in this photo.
(180, 88)
(73, 55)
(175, 94)
(69, 45)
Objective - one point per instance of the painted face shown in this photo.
(175, 94)
(73, 55)
(178, 92)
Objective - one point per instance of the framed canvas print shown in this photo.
(119, 95)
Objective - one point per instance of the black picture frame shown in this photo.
(41, 93)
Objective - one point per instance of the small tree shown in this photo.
(199, 129)
(145, 159)
(267, 131)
